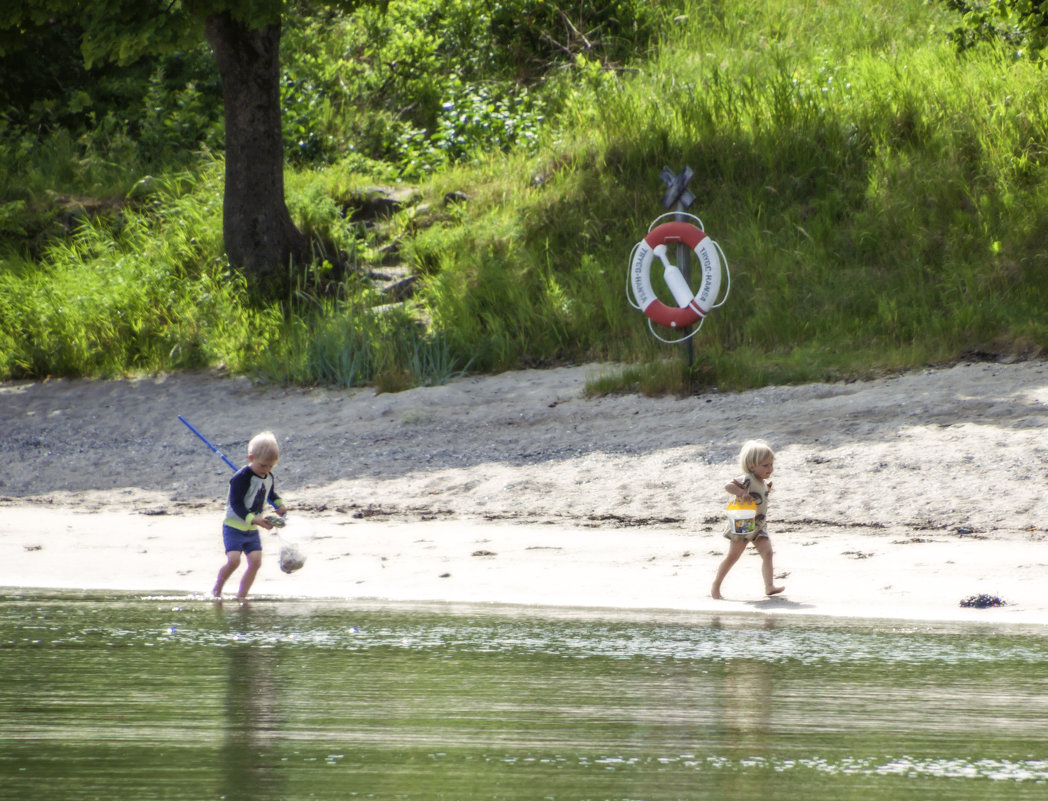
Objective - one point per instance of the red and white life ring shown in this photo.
(691, 308)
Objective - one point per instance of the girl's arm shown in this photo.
(738, 489)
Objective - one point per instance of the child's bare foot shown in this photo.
(774, 590)
(716, 595)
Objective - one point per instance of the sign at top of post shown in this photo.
(677, 191)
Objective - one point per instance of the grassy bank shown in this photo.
(881, 204)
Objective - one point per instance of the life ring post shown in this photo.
(679, 198)
(685, 231)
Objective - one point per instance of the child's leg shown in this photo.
(232, 563)
(735, 549)
(763, 546)
(254, 562)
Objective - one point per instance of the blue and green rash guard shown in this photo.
(248, 494)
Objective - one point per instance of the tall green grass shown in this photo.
(143, 291)
(878, 198)
(881, 203)
(346, 343)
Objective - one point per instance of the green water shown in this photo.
(124, 697)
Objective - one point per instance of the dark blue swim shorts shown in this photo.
(244, 541)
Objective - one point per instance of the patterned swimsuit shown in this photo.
(759, 490)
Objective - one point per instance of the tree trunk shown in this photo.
(260, 238)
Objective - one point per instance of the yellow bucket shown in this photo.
(743, 516)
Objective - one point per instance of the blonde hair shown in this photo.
(264, 446)
(753, 453)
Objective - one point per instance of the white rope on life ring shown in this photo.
(691, 307)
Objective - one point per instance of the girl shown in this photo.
(757, 461)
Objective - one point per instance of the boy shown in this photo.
(249, 490)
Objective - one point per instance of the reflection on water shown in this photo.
(179, 698)
(253, 721)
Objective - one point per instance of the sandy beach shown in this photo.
(895, 498)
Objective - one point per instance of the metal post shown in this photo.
(679, 197)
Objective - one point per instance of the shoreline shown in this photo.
(894, 498)
(566, 570)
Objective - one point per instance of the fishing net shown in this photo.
(291, 556)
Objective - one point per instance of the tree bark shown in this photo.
(260, 237)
